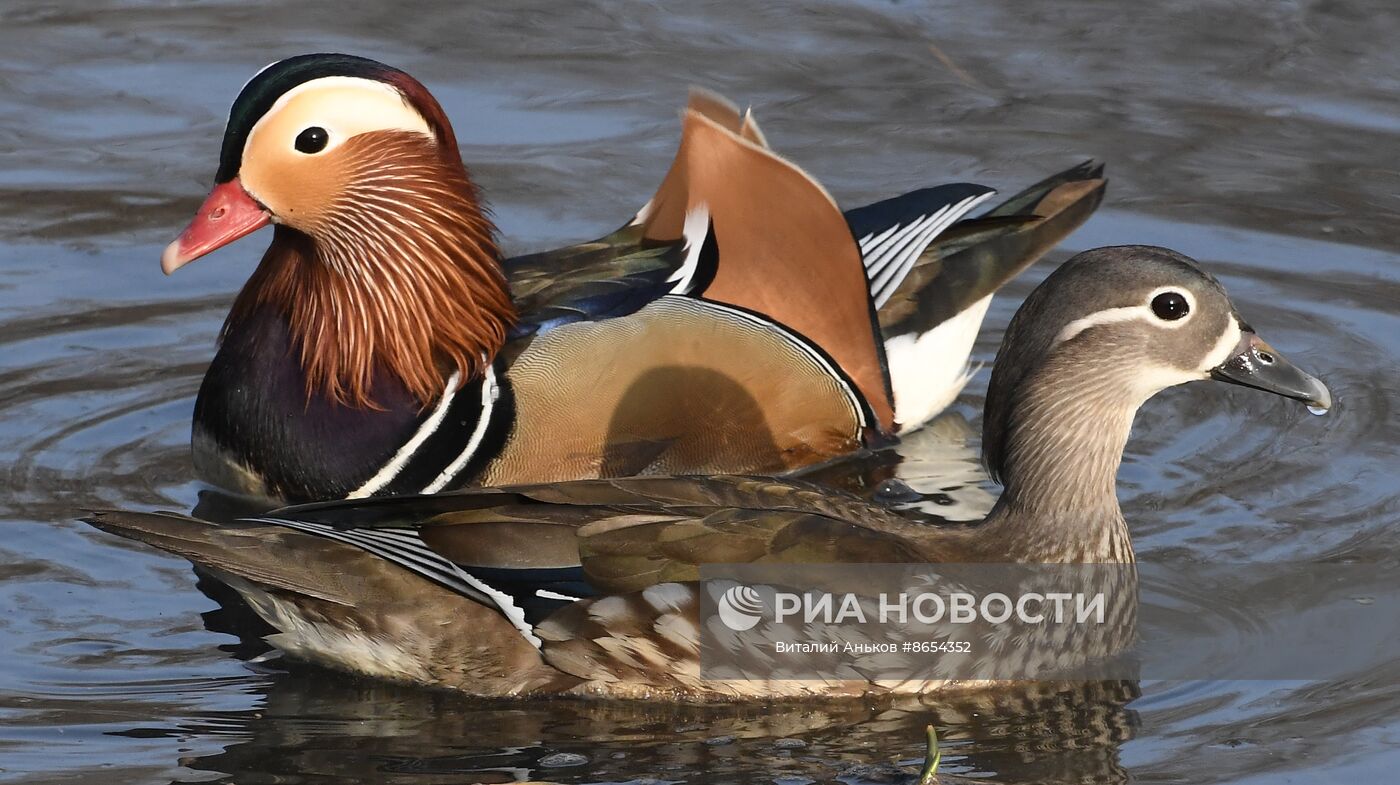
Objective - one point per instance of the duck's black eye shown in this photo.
(312, 140)
(1170, 306)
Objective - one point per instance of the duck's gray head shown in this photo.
(1109, 329)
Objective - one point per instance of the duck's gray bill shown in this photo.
(1257, 364)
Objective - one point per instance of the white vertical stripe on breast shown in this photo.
(490, 391)
(395, 465)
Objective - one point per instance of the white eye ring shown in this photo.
(1172, 306)
(1127, 313)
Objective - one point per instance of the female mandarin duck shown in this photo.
(383, 346)
(589, 587)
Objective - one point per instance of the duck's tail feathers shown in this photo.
(1088, 174)
(287, 554)
(261, 551)
(263, 555)
(930, 321)
(342, 597)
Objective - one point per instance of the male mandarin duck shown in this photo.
(740, 323)
(590, 587)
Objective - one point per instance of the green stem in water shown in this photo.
(931, 759)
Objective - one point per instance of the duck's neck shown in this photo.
(1065, 436)
(403, 279)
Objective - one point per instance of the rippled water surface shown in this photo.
(1261, 138)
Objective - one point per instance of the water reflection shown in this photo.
(316, 727)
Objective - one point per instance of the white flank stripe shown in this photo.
(489, 393)
(554, 595)
(506, 604)
(395, 465)
(696, 231)
(428, 564)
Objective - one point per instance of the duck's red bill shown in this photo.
(226, 215)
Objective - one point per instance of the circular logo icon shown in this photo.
(740, 608)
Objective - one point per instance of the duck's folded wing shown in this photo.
(600, 280)
(734, 223)
(498, 560)
(639, 262)
(605, 536)
(895, 233)
(975, 257)
(623, 554)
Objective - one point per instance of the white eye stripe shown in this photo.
(347, 106)
(1107, 316)
(1224, 346)
(1130, 313)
